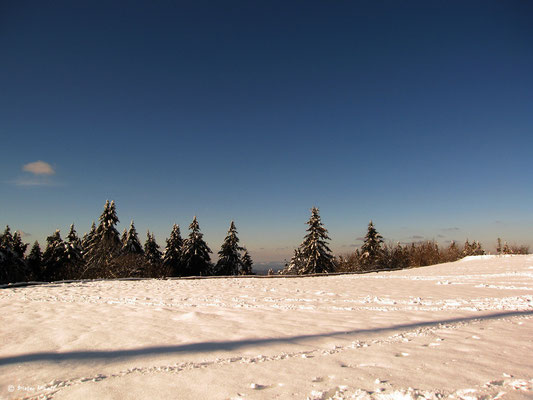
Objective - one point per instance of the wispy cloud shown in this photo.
(39, 168)
(416, 237)
(453, 229)
(34, 181)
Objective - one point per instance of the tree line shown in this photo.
(104, 253)
(314, 256)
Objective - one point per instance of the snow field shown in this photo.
(460, 330)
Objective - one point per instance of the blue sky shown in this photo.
(415, 114)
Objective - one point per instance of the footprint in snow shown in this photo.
(401, 355)
(257, 386)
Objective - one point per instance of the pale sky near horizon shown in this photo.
(415, 114)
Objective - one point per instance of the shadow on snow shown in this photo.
(230, 345)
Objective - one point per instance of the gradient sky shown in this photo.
(416, 114)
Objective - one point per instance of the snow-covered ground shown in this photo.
(461, 330)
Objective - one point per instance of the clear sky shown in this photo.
(416, 114)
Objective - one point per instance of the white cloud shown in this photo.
(39, 168)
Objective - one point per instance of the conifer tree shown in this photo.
(73, 255)
(477, 249)
(151, 250)
(18, 246)
(34, 261)
(88, 239)
(172, 258)
(6, 239)
(229, 262)
(104, 246)
(12, 266)
(295, 265)
(315, 253)
(371, 249)
(130, 260)
(467, 249)
(73, 249)
(246, 264)
(54, 258)
(131, 243)
(196, 258)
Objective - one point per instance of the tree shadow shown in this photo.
(204, 347)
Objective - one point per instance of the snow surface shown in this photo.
(460, 330)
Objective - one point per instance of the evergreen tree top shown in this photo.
(7, 231)
(371, 249)
(194, 226)
(132, 229)
(372, 234)
(151, 249)
(173, 250)
(131, 241)
(175, 233)
(174, 241)
(316, 228)
(35, 250)
(7, 238)
(55, 236)
(18, 246)
(230, 247)
(72, 235)
(109, 218)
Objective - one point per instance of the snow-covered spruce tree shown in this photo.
(371, 248)
(73, 254)
(196, 259)
(315, 253)
(12, 266)
(152, 255)
(295, 265)
(34, 261)
(54, 258)
(172, 259)
(130, 261)
(105, 245)
(246, 264)
(131, 243)
(229, 262)
(477, 249)
(88, 239)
